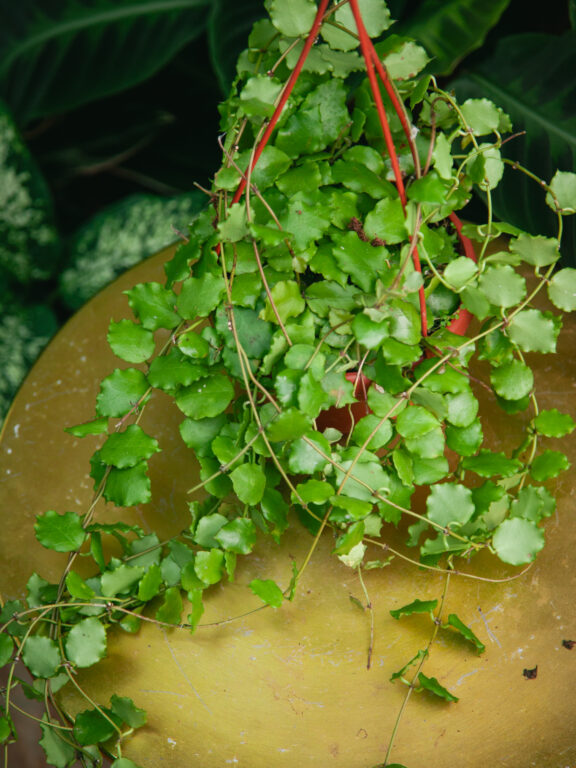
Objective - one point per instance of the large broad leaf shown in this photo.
(121, 236)
(450, 29)
(229, 25)
(28, 239)
(58, 54)
(531, 77)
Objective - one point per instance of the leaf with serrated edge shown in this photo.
(86, 643)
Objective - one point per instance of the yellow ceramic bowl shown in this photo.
(290, 687)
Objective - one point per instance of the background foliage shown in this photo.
(108, 115)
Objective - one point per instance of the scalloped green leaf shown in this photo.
(548, 465)
(60, 532)
(121, 580)
(490, 464)
(416, 606)
(537, 250)
(59, 753)
(130, 341)
(415, 422)
(268, 591)
(42, 656)
(552, 423)
(291, 19)
(153, 305)
(127, 487)
(238, 535)
(449, 504)
(6, 649)
(517, 541)
(124, 708)
(206, 398)
(503, 286)
(200, 295)
(534, 331)
(93, 727)
(128, 448)
(171, 609)
(120, 392)
(209, 566)
(249, 482)
(562, 289)
(563, 193)
(432, 685)
(86, 643)
(465, 631)
(512, 381)
(94, 427)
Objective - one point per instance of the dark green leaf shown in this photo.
(353, 536)
(416, 422)
(120, 392)
(208, 397)
(86, 643)
(198, 434)
(454, 621)
(237, 536)
(533, 503)
(62, 533)
(548, 465)
(171, 609)
(512, 381)
(387, 222)
(451, 30)
(130, 341)
(552, 423)
(93, 727)
(42, 656)
(154, 306)
(416, 606)
(95, 427)
(125, 709)
(128, 448)
(289, 425)
(81, 37)
(174, 370)
(209, 566)
(149, 585)
(268, 591)
(6, 648)
(59, 753)
(431, 684)
(200, 295)
(121, 579)
(127, 487)
(489, 464)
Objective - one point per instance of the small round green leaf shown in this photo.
(237, 536)
(92, 727)
(127, 487)
(124, 708)
(489, 464)
(86, 643)
(562, 289)
(171, 609)
(42, 656)
(268, 591)
(512, 381)
(62, 533)
(209, 565)
(449, 503)
(563, 187)
(154, 306)
(462, 408)
(549, 464)
(534, 331)
(208, 397)
(517, 541)
(416, 421)
(552, 423)
(130, 341)
(6, 648)
(128, 448)
(502, 286)
(120, 392)
(372, 424)
(539, 251)
(249, 483)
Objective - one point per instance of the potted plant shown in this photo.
(318, 333)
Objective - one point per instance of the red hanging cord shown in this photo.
(368, 53)
(310, 40)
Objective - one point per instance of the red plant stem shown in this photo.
(310, 40)
(369, 55)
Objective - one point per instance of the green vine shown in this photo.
(313, 332)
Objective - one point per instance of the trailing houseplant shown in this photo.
(317, 331)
